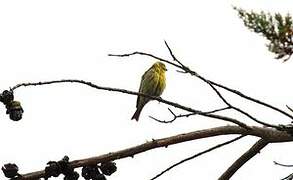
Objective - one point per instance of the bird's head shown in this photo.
(161, 66)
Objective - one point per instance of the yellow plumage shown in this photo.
(153, 83)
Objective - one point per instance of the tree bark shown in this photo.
(267, 134)
(244, 158)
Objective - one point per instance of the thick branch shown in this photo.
(270, 135)
(244, 158)
(267, 135)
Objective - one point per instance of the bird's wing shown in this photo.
(144, 79)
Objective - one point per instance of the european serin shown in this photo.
(153, 83)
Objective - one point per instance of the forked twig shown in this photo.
(211, 83)
(185, 69)
(185, 115)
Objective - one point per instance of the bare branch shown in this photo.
(289, 108)
(289, 177)
(284, 165)
(218, 110)
(173, 56)
(145, 54)
(219, 94)
(171, 112)
(270, 135)
(256, 120)
(267, 135)
(210, 83)
(185, 115)
(238, 109)
(244, 158)
(251, 99)
(224, 118)
(196, 155)
(193, 73)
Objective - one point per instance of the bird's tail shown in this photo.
(136, 114)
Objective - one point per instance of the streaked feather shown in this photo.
(153, 83)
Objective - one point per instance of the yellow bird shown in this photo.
(153, 83)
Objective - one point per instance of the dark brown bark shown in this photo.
(244, 158)
(268, 134)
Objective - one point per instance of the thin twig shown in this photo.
(224, 118)
(196, 155)
(187, 70)
(185, 115)
(284, 165)
(251, 99)
(171, 112)
(193, 73)
(256, 120)
(240, 110)
(217, 110)
(289, 108)
(218, 92)
(145, 54)
(173, 56)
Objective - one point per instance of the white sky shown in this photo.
(49, 40)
